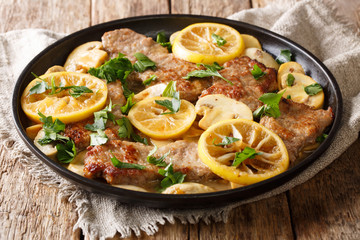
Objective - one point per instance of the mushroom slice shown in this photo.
(188, 188)
(130, 187)
(217, 107)
(153, 91)
(251, 41)
(286, 68)
(85, 56)
(77, 165)
(261, 56)
(297, 93)
(33, 130)
(48, 149)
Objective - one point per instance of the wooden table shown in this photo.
(325, 207)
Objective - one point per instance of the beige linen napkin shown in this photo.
(312, 24)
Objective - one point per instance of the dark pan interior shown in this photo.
(57, 53)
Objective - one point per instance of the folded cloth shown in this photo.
(312, 24)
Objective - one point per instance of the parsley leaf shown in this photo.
(270, 107)
(247, 153)
(257, 72)
(161, 39)
(116, 162)
(129, 104)
(218, 40)
(126, 131)
(51, 130)
(100, 118)
(157, 161)
(171, 177)
(211, 71)
(116, 68)
(321, 138)
(148, 81)
(98, 138)
(66, 152)
(284, 56)
(288, 97)
(43, 86)
(143, 62)
(175, 103)
(290, 80)
(313, 89)
(226, 141)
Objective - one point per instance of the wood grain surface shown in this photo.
(325, 207)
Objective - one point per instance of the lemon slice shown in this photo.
(62, 105)
(147, 117)
(273, 160)
(195, 43)
(297, 92)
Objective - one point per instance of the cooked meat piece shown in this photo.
(246, 88)
(298, 125)
(169, 68)
(183, 155)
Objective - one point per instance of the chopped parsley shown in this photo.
(143, 62)
(129, 104)
(98, 138)
(257, 72)
(290, 80)
(52, 130)
(247, 153)
(148, 81)
(66, 152)
(174, 104)
(211, 71)
(100, 118)
(43, 86)
(270, 107)
(162, 40)
(117, 163)
(157, 161)
(313, 89)
(126, 131)
(226, 141)
(321, 138)
(218, 40)
(171, 177)
(284, 56)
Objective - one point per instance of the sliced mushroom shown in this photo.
(85, 56)
(55, 68)
(33, 130)
(153, 91)
(217, 107)
(251, 41)
(130, 187)
(297, 93)
(261, 56)
(77, 165)
(286, 68)
(188, 188)
(48, 149)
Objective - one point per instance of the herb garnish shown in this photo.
(98, 138)
(157, 161)
(143, 62)
(284, 56)
(247, 153)
(101, 117)
(171, 177)
(218, 40)
(257, 72)
(43, 86)
(288, 97)
(161, 39)
(126, 131)
(66, 152)
(321, 138)
(51, 130)
(117, 163)
(148, 81)
(116, 68)
(290, 80)
(129, 104)
(174, 104)
(211, 71)
(226, 141)
(270, 107)
(313, 89)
